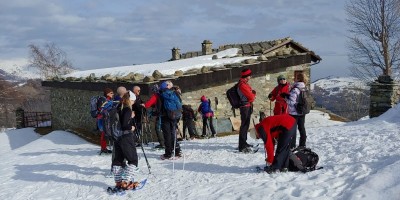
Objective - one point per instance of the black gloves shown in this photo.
(285, 95)
(270, 96)
(254, 92)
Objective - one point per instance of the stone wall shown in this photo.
(383, 96)
(70, 107)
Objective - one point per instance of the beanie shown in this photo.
(203, 98)
(280, 77)
(132, 96)
(163, 85)
(106, 91)
(245, 73)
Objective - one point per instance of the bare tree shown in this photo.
(375, 42)
(51, 60)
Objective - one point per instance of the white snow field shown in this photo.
(360, 160)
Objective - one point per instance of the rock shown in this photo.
(250, 61)
(214, 57)
(204, 69)
(148, 79)
(178, 73)
(262, 58)
(157, 75)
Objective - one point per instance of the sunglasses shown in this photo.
(282, 79)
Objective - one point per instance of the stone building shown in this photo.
(70, 96)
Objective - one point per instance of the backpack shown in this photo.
(187, 112)
(172, 104)
(304, 101)
(95, 105)
(303, 160)
(233, 96)
(206, 109)
(112, 123)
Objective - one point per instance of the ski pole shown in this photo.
(144, 154)
(174, 135)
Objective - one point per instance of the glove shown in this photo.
(285, 95)
(253, 91)
(269, 96)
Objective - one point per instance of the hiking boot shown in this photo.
(246, 150)
(213, 136)
(270, 170)
(165, 157)
(284, 170)
(249, 145)
(159, 146)
(105, 151)
(203, 136)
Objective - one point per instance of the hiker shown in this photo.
(291, 99)
(188, 118)
(155, 103)
(138, 110)
(125, 146)
(169, 125)
(280, 128)
(121, 90)
(207, 115)
(275, 95)
(247, 96)
(108, 94)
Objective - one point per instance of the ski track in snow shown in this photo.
(354, 155)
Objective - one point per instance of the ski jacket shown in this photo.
(246, 93)
(271, 127)
(107, 104)
(137, 108)
(125, 119)
(280, 103)
(187, 112)
(205, 108)
(294, 93)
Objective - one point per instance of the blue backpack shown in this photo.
(172, 104)
(95, 105)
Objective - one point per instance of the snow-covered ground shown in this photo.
(361, 160)
(337, 84)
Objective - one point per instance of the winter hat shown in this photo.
(106, 91)
(163, 85)
(132, 96)
(245, 73)
(203, 98)
(253, 133)
(155, 88)
(280, 77)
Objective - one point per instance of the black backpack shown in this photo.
(112, 123)
(233, 96)
(303, 160)
(95, 105)
(304, 101)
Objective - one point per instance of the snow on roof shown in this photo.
(168, 68)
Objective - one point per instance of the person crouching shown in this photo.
(125, 146)
(281, 128)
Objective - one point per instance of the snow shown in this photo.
(21, 69)
(337, 84)
(361, 160)
(168, 68)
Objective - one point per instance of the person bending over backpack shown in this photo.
(188, 118)
(279, 127)
(125, 146)
(207, 114)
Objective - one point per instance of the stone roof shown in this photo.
(258, 48)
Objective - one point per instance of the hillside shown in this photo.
(345, 96)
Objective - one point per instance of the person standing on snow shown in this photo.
(275, 95)
(107, 104)
(282, 128)
(291, 100)
(125, 146)
(247, 96)
(207, 114)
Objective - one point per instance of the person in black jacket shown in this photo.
(188, 118)
(138, 109)
(125, 146)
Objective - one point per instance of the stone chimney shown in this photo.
(206, 47)
(176, 54)
(384, 94)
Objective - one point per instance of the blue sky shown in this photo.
(102, 33)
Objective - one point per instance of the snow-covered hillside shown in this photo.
(13, 72)
(360, 160)
(336, 85)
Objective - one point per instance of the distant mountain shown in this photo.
(18, 73)
(345, 96)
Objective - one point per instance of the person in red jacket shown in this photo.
(283, 129)
(247, 96)
(280, 103)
